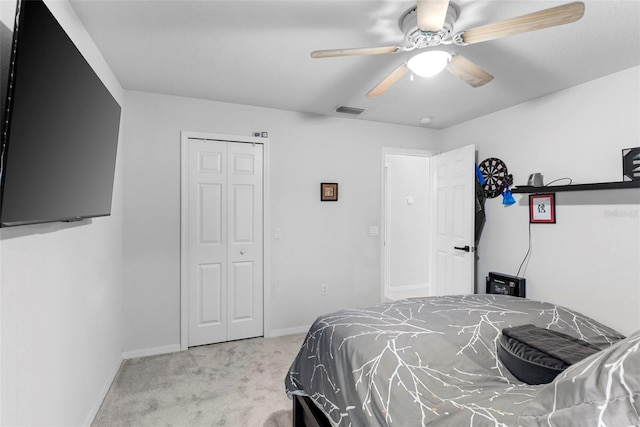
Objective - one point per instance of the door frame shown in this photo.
(185, 136)
(383, 208)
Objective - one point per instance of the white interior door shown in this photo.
(244, 233)
(453, 175)
(224, 241)
(207, 241)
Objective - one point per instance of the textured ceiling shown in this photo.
(257, 53)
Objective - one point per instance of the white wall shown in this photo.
(321, 242)
(407, 228)
(61, 297)
(588, 260)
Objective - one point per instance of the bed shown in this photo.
(432, 362)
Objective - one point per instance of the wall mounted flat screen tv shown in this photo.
(60, 127)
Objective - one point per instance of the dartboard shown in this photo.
(495, 175)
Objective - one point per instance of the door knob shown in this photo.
(465, 248)
(242, 252)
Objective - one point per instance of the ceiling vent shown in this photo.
(349, 110)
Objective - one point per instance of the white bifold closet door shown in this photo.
(225, 259)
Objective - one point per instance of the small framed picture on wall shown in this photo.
(329, 192)
(542, 208)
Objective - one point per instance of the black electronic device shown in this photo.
(498, 283)
(631, 164)
(60, 126)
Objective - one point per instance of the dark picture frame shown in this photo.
(328, 191)
(542, 208)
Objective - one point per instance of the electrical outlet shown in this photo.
(324, 289)
(277, 233)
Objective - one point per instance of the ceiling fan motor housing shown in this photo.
(419, 39)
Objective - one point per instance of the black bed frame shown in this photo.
(307, 414)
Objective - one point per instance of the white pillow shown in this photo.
(602, 390)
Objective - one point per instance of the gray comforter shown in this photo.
(429, 361)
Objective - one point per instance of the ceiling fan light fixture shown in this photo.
(430, 63)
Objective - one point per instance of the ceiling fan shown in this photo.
(430, 24)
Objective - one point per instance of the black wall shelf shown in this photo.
(577, 187)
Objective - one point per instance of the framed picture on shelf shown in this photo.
(329, 192)
(542, 208)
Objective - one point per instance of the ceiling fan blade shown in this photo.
(331, 53)
(468, 72)
(431, 14)
(546, 18)
(386, 83)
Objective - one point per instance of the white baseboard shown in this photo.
(151, 351)
(287, 331)
(103, 393)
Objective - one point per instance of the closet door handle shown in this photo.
(465, 248)
(242, 252)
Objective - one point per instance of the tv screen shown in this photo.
(60, 130)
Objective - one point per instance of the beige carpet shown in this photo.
(239, 383)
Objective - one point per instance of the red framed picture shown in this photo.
(542, 208)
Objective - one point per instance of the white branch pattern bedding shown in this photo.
(429, 361)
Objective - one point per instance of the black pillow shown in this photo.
(536, 355)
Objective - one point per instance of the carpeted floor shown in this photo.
(238, 383)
